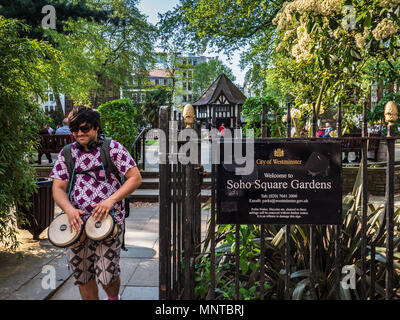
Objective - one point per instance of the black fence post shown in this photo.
(287, 227)
(164, 201)
(314, 121)
(289, 122)
(191, 230)
(312, 228)
(262, 227)
(198, 180)
(364, 206)
(390, 118)
(338, 228)
(175, 201)
(144, 150)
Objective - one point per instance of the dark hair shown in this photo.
(81, 114)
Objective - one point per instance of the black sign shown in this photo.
(291, 183)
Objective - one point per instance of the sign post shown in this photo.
(292, 183)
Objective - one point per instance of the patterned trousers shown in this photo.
(99, 259)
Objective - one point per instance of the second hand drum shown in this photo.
(105, 229)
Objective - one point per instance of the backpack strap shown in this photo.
(69, 161)
(106, 159)
(108, 164)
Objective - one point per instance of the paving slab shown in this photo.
(139, 252)
(141, 239)
(18, 268)
(71, 292)
(152, 225)
(128, 267)
(140, 293)
(40, 287)
(146, 274)
(136, 224)
(144, 212)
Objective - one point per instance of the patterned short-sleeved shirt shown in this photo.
(91, 188)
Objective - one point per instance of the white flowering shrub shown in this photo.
(306, 25)
(330, 42)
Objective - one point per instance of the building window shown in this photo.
(202, 112)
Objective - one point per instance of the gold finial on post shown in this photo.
(188, 115)
(391, 116)
(391, 113)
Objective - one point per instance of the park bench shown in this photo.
(355, 145)
(53, 143)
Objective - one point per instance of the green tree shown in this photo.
(269, 80)
(205, 73)
(225, 24)
(332, 43)
(98, 57)
(154, 99)
(252, 111)
(23, 79)
(119, 120)
(30, 12)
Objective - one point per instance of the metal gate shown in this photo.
(180, 225)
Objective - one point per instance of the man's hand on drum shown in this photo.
(102, 209)
(75, 220)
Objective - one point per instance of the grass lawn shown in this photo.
(150, 142)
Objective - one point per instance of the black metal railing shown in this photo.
(138, 148)
(178, 246)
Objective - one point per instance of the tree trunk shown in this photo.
(380, 92)
(59, 108)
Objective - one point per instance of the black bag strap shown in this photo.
(106, 159)
(69, 161)
(108, 164)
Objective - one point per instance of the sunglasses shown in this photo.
(85, 128)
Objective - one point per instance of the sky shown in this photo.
(151, 8)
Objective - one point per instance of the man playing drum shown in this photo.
(94, 193)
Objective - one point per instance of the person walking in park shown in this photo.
(64, 129)
(96, 192)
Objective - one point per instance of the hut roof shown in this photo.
(221, 85)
